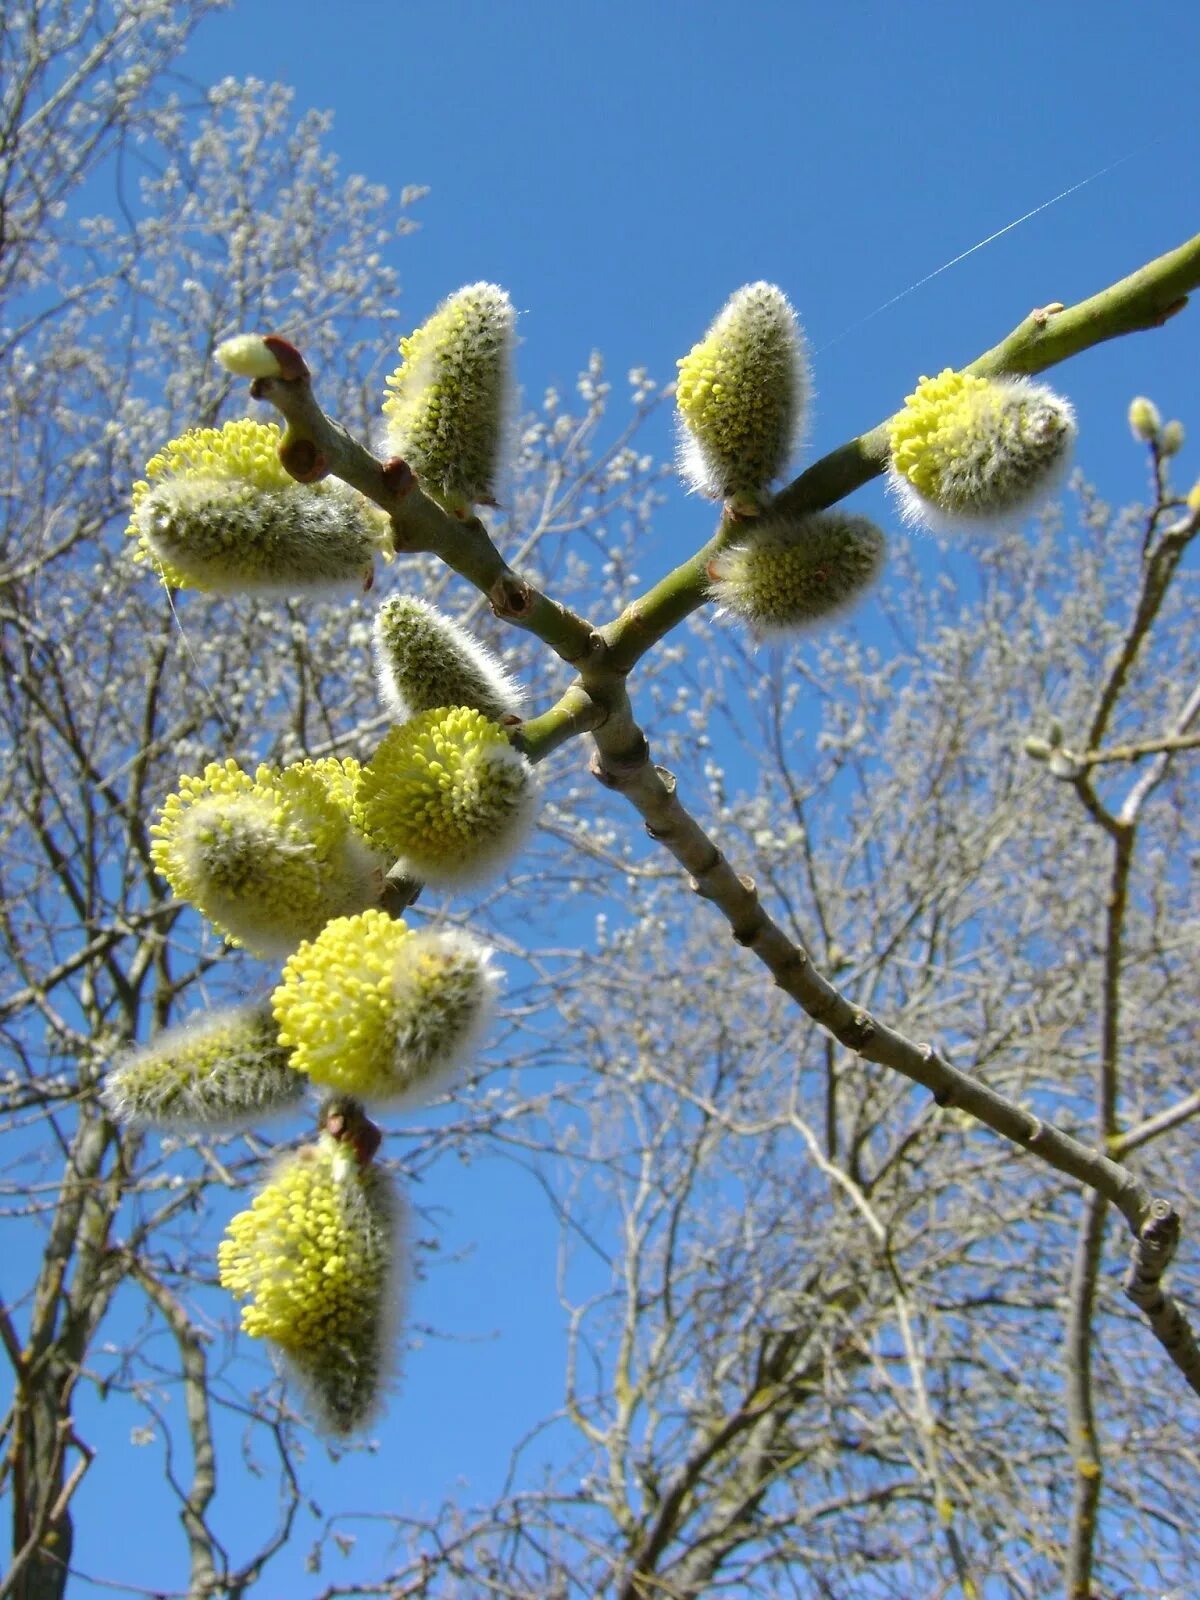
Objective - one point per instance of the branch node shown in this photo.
(510, 597)
(696, 884)
(398, 477)
(345, 1120)
(613, 771)
(796, 961)
(1170, 311)
(300, 459)
(598, 771)
(863, 1024)
(594, 648)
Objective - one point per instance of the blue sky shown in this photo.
(621, 168)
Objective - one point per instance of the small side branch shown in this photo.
(50, 1513)
(1120, 1145)
(1134, 752)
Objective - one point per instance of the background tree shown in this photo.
(801, 1297)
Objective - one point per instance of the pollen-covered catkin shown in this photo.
(314, 1257)
(451, 394)
(450, 795)
(217, 512)
(268, 859)
(784, 574)
(374, 1009)
(742, 393)
(968, 451)
(425, 660)
(226, 1069)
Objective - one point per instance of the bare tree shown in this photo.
(829, 1335)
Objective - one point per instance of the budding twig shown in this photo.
(598, 702)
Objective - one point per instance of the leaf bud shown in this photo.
(374, 1009)
(247, 355)
(784, 574)
(449, 794)
(451, 394)
(976, 451)
(424, 660)
(742, 395)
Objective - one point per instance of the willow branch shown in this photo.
(1156, 579)
(651, 790)
(315, 446)
(1145, 299)
(1087, 1467)
(1130, 753)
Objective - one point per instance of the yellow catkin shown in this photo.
(217, 512)
(967, 449)
(741, 396)
(373, 1009)
(448, 793)
(222, 1070)
(448, 402)
(313, 1257)
(786, 574)
(268, 859)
